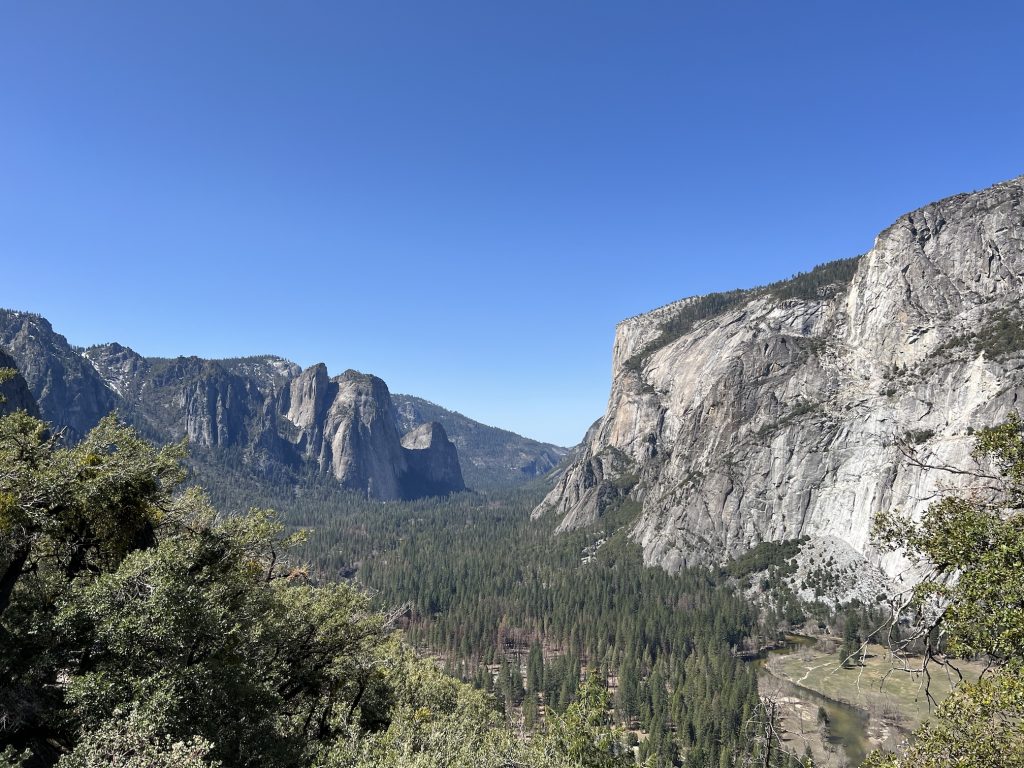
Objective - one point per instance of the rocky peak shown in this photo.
(424, 437)
(309, 395)
(937, 271)
(369, 397)
(348, 425)
(120, 367)
(360, 427)
(489, 457)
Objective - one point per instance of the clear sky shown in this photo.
(465, 197)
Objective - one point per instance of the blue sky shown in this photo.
(464, 198)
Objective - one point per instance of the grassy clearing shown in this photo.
(878, 687)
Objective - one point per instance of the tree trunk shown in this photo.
(11, 575)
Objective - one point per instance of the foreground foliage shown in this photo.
(139, 629)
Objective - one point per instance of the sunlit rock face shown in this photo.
(790, 410)
(349, 426)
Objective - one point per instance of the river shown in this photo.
(847, 725)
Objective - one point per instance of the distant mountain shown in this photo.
(262, 412)
(491, 457)
(69, 391)
(793, 409)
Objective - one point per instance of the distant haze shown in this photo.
(464, 198)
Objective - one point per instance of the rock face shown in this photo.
(433, 461)
(790, 410)
(263, 412)
(14, 392)
(349, 427)
(214, 403)
(491, 457)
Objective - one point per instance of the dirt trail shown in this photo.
(806, 673)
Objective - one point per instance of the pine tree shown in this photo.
(535, 668)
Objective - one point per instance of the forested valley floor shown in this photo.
(148, 623)
(505, 604)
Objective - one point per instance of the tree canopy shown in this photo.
(971, 604)
(141, 629)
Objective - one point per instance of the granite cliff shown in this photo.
(805, 407)
(432, 457)
(491, 457)
(348, 426)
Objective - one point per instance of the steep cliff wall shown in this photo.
(210, 402)
(349, 426)
(788, 410)
(433, 461)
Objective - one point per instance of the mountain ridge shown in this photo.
(254, 406)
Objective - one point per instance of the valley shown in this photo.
(679, 588)
(483, 590)
(511, 385)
